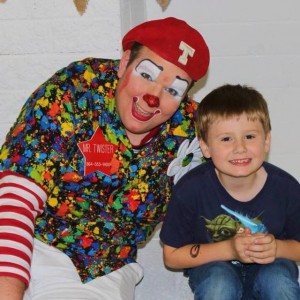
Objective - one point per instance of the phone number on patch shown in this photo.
(98, 164)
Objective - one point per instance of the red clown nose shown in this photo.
(151, 100)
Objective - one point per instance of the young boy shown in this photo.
(233, 222)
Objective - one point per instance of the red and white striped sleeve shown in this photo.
(21, 201)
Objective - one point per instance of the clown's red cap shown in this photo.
(175, 41)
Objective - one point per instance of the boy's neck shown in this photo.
(244, 189)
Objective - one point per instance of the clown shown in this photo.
(84, 168)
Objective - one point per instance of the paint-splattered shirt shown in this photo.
(68, 149)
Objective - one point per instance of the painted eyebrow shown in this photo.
(149, 60)
(160, 67)
(179, 78)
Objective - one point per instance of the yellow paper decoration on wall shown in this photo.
(81, 5)
(163, 3)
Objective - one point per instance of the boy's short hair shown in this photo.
(228, 101)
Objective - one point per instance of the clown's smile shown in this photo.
(139, 113)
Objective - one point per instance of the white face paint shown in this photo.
(178, 88)
(150, 71)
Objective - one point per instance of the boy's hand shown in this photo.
(240, 244)
(263, 249)
(254, 248)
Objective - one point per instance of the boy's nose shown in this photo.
(151, 100)
(240, 147)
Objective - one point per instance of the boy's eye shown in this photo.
(250, 136)
(225, 139)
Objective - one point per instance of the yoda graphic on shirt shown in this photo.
(224, 226)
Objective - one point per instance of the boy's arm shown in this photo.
(289, 249)
(236, 248)
(247, 248)
(190, 256)
(266, 249)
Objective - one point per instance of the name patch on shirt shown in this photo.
(98, 153)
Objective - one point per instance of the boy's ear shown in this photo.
(268, 142)
(204, 148)
(123, 63)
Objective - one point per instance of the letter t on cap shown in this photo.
(186, 51)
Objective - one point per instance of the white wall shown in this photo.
(38, 37)
(252, 42)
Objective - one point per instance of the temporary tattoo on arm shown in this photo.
(195, 250)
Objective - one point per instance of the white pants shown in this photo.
(54, 277)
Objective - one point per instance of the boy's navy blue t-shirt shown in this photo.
(195, 214)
